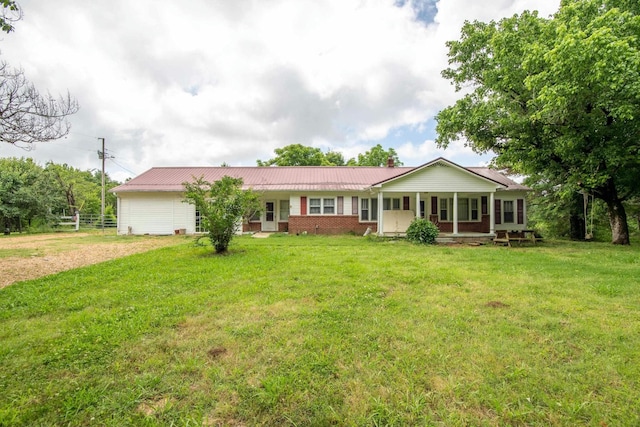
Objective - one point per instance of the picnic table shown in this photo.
(519, 236)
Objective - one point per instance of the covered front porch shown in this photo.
(456, 214)
(460, 201)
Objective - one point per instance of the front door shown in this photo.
(269, 219)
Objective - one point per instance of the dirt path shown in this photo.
(40, 255)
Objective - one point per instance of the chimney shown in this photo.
(390, 162)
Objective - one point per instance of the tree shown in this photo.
(556, 99)
(377, 156)
(26, 117)
(82, 190)
(11, 13)
(25, 194)
(334, 158)
(222, 205)
(295, 155)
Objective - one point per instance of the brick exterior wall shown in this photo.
(466, 227)
(283, 227)
(342, 224)
(329, 224)
(251, 226)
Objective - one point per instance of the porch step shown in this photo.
(444, 240)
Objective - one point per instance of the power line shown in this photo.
(121, 167)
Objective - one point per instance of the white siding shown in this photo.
(294, 200)
(512, 196)
(440, 178)
(151, 213)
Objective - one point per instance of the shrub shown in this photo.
(422, 231)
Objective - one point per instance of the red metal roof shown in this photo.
(281, 178)
(287, 178)
(496, 176)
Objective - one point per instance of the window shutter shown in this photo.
(520, 211)
(405, 203)
(498, 209)
(434, 205)
(340, 205)
(354, 205)
(303, 205)
(484, 205)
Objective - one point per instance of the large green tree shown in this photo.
(295, 155)
(82, 190)
(556, 99)
(376, 156)
(222, 205)
(25, 193)
(301, 155)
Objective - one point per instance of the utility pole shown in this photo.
(102, 155)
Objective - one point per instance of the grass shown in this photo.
(315, 330)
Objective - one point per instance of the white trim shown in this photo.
(455, 213)
(270, 225)
(380, 213)
(492, 215)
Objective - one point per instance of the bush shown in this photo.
(422, 231)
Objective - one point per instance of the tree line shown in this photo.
(33, 197)
(301, 155)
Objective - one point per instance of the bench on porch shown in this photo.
(506, 237)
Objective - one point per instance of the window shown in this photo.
(507, 209)
(200, 228)
(463, 209)
(368, 209)
(255, 217)
(391, 204)
(315, 206)
(318, 206)
(444, 211)
(468, 209)
(329, 207)
(474, 209)
(284, 210)
(364, 209)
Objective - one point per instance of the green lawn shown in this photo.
(329, 331)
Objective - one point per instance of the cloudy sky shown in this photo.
(202, 82)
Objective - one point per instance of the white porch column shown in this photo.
(417, 205)
(380, 214)
(492, 209)
(455, 213)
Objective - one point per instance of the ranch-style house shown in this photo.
(332, 200)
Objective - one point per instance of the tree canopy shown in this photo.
(296, 155)
(31, 192)
(377, 156)
(300, 155)
(556, 99)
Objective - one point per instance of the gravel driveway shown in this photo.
(42, 254)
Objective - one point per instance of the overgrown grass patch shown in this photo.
(316, 330)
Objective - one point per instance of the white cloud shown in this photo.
(206, 82)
